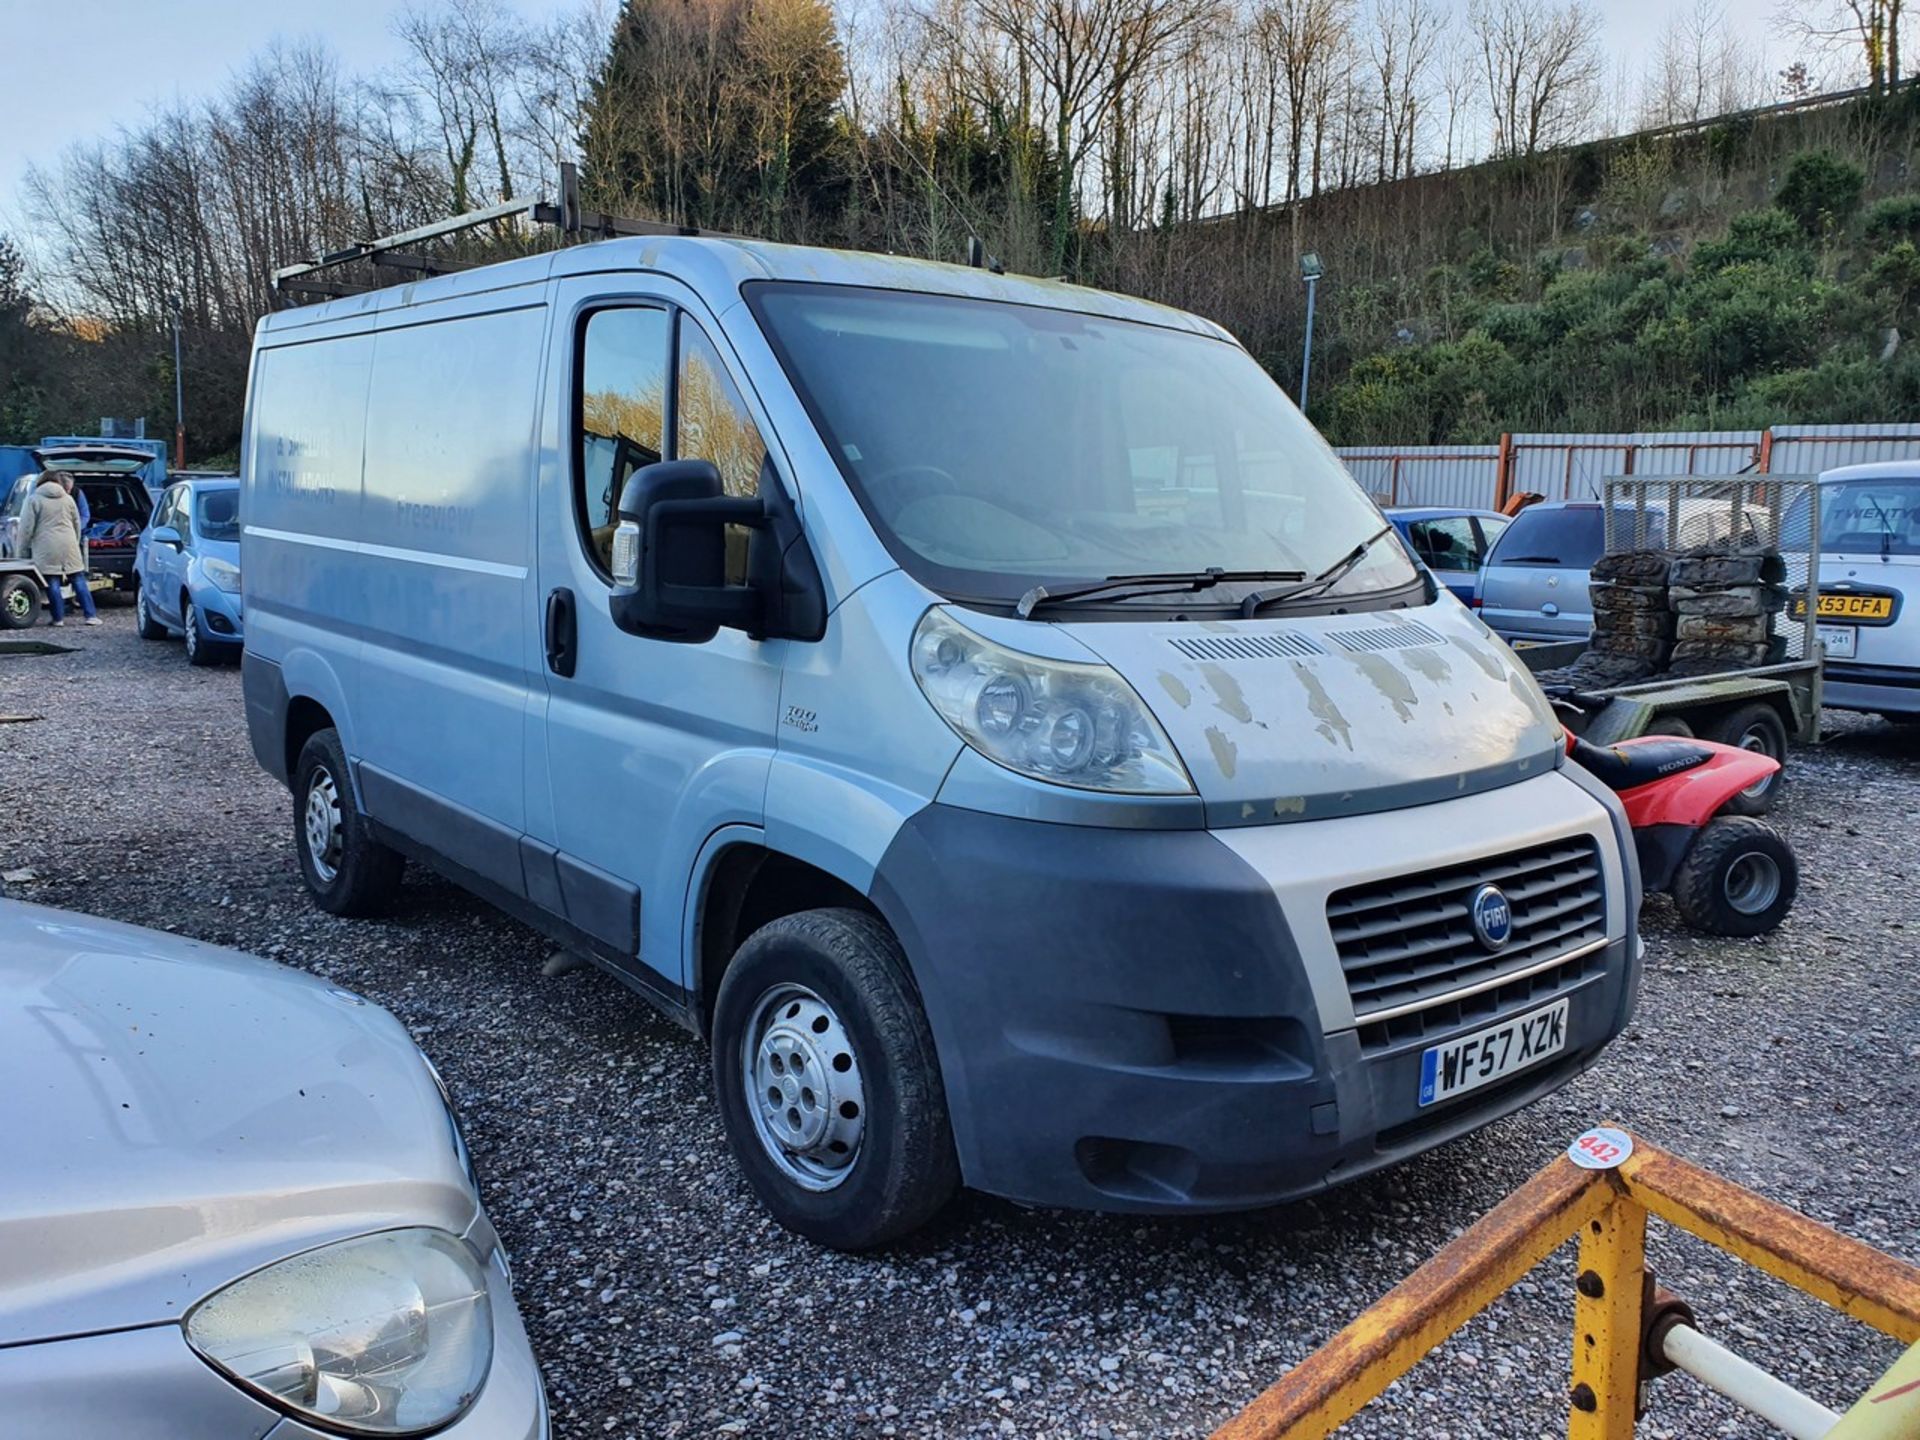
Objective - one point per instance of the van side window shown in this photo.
(622, 414)
(712, 423)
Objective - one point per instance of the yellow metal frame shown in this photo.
(1608, 1209)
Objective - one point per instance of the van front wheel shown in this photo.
(827, 1080)
(347, 871)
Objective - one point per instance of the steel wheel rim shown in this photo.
(803, 1087)
(322, 825)
(1752, 883)
(19, 603)
(1755, 740)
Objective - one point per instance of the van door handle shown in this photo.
(563, 632)
(1549, 609)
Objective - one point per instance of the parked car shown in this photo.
(236, 1203)
(1869, 568)
(189, 570)
(1072, 798)
(1451, 543)
(107, 476)
(1534, 586)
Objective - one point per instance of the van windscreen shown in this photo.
(995, 445)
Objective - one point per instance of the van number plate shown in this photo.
(1490, 1054)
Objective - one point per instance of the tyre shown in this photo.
(1739, 878)
(20, 601)
(200, 650)
(828, 1085)
(1758, 728)
(143, 621)
(1674, 725)
(347, 871)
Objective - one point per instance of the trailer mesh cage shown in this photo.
(1742, 551)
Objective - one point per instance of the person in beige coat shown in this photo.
(50, 537)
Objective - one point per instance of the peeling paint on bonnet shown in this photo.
(1371, 723)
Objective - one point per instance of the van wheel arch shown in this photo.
(306, 717)
(748, 886)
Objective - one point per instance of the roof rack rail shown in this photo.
(390, 251)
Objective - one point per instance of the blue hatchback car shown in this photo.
(188, 569)
(1451, 543)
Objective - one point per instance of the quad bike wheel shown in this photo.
(1739, 878)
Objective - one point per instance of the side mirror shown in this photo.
(165, 535)
(670, 555)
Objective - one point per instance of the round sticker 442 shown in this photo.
(1601, 1148)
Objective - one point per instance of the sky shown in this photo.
(160, 51)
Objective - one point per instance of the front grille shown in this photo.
(1407, 944)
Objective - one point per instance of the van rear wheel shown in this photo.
(347, 871)
(827, 1080)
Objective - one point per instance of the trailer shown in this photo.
(1759, 705)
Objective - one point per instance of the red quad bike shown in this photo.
(1728, 874)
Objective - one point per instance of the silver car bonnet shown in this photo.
(1302, 719)
(176, 1115)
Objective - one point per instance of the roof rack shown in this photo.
(391, 252)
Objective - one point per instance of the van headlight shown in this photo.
(388, 1334)
(1055, 720)
(222, 573)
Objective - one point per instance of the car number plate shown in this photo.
(1490, 1054)
(1842, 605)
(1838, 640)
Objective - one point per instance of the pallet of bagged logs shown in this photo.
(1631, 617)
(1712, 656)
(1724, 600)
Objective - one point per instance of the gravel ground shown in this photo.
(662, 1302)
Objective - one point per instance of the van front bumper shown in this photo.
(1888, 689)
(1156, 1021)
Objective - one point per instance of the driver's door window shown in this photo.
(621, 416)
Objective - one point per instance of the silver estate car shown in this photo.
(234, 1203)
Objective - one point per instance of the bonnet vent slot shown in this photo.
(1385, 637)
(1283, 646)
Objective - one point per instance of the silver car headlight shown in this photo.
(388, 1334)
(223, 573)
(1057, 720)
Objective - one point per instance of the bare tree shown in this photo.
(1406, 34)
(1539, 61)
(1460, 84)
(1701, 69)
(468, 59)
(1086, 56)
(1870, 29)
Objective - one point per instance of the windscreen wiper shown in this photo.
(1319, 584)
(1886, 528)
(1144, 585)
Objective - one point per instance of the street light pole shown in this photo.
(1310, 271)
(179, 402)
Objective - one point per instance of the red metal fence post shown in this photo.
(1503, 473)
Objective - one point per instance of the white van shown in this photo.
(983, 707)
(1869, 568)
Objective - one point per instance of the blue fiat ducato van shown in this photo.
(981, 707)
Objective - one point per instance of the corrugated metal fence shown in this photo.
(1573, 467)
